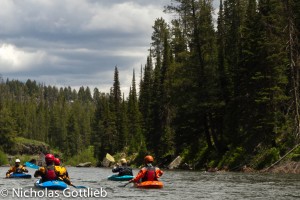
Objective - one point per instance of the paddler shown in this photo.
(17, 168)
(123, 169)
(148, 172)
(47, 173)
(62, 172)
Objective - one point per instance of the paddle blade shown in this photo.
(31, 165)
(109, 157)
(80, 186)
(124, 185)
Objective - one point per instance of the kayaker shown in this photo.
(18, 168)
(123, 169)
(148, 173)
(62, 172)
(47, 173)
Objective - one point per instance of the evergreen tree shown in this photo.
(117, 100)
(7, 130)
(136, 139)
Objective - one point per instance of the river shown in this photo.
(179, 185)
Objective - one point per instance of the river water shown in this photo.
(179, 185)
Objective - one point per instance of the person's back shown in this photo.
(17, 168)
(149, 172)
(123, 169)
(49, 172)
(62, 172)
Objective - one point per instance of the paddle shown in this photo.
(124, 184)
(78, 186)
(31, 165)
(109, 157)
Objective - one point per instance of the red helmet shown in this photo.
(49, 158)
(148, 159)
(56, 161)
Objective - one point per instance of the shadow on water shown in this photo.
(177, 185)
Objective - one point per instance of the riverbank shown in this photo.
(288, 167)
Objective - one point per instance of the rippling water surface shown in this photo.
(177, 185)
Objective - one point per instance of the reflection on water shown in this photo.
(177, 185)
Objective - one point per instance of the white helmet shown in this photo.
(18, 160)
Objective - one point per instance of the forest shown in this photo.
(218, 93)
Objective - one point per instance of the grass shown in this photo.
(29, 141)
(85, 156)
(3, 158)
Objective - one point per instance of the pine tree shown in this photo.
(7, 130)
(292, 13)
(117, 99)
(136, 139)
(166, 142)
(268, 75)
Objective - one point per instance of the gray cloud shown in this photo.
(76, 43)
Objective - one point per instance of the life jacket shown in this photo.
(150, 174)
(61, 171)
(50, 173)
(19, 169)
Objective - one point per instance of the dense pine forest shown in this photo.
(218, 93)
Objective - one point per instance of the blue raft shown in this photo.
(51, 185)
(19, 175)
(116, 177)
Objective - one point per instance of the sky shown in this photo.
(77, 42)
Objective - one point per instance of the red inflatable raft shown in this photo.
(149, 184)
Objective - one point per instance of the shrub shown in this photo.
(233, 158)
(265, 158)
(85, 156)
(3, 158)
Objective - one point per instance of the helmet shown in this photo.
(148, 159)
(17, 160)
(49, 158)
(56, 161)
(123, 161)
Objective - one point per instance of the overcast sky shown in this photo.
(76, 42)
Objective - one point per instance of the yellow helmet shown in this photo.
(123, 161)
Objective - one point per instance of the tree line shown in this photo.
(219, 95)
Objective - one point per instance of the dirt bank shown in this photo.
(288, 167)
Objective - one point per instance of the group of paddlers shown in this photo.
(54, 171)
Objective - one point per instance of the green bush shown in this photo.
(295, 157)
(265, 158)
(85, 156)
(3, 158)
(233, 158)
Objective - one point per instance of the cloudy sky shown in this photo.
(76, 42)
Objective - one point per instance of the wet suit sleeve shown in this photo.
(39, 172)
(140, 175)
(64, 176)
(116, 169)
(11, 169)
(24, 169)
(159, 173)
(67, 178)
